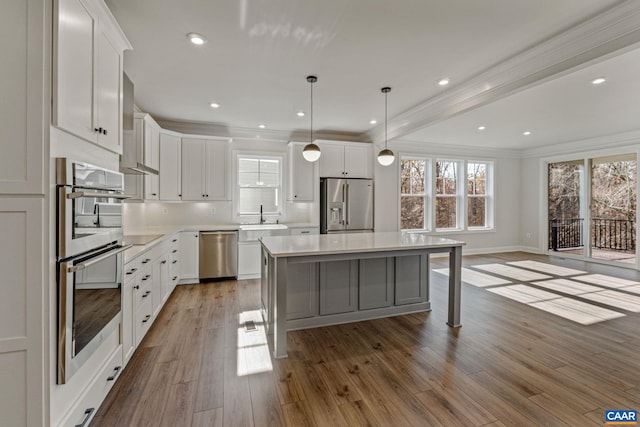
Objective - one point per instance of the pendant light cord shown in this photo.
(311, 133)
(385, 119)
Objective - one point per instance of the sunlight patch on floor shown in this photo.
(546, 268)
(476, 278)
(512, 272)
(253, 349)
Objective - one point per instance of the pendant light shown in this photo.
(386, 156)
(311, 152)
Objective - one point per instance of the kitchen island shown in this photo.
(317, 280)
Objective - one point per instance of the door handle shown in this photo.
(347, 213)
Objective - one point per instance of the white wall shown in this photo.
(507, 233)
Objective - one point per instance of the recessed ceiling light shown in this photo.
(300, 113)
(526, 133)
(196, 39)
(443, 81)
(373, 121)
(598, 81)
(214, 105)
(262, 126)
(481, 127)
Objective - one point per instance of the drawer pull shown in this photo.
(174, 240)
(146, 318)
(146, 260)
(305, 232)
(133, 270)
(146, 277)
(174, 261)
(115, 373)
(164, 261)
(175, 278)
(174, 251)
(136, 287)
(146, 294)
(87, 415)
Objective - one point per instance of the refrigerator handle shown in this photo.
(347, 209)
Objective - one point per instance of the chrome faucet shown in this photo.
(262, 220)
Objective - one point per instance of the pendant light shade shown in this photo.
(311, 151)
(386, 156)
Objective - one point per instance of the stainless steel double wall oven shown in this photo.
(89, 260)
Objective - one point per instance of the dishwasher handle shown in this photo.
(218, 232)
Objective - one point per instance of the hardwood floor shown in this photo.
(509, 365)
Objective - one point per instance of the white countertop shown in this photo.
(327, 244)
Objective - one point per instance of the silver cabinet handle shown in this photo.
(87, 415)
(115, 373)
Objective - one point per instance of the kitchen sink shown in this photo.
(253, 227)
(252, 232)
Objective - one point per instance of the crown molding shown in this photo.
(465, 151)
(611, 32)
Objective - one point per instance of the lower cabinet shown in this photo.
(302, 291)
(338, 286)
(189, 255)
(249, 260)
(410, 289)
(376, 283)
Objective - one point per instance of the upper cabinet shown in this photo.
(147, 133)
(170, 166)
(205, 163)
(87, 86)
(302, 174)
(345, 160)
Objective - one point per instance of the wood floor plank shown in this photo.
(153, 401)
(179, 405)
(210, 391)
(265, 404)
(210, 418)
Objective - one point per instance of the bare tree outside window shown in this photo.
(412, 194)
(477, 194)
(446, 194)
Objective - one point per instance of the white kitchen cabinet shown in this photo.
(147, 134)
(156, 287)
(88, 64)
(345, 160)
(249, 254)
(302, 174)
(174, 262)
(205, 169)
(170, 166)
(189, 256)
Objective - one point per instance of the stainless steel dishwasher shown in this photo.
(218, 254)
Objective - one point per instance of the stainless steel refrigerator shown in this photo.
(346, 205)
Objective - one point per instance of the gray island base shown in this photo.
(318, 280)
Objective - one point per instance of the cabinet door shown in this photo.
(165, 281)
(170, 159)
(357, 161)
(216, 170)
(338, 286)
(249, 258)
(412, 275)
(74, 106)
(156, 285)
(193, 169)
(302, 290)
(302, 174)
(127, 330)
(108, 94)
(189, 254)
(375, 287)
(331, 161)
(151, 135)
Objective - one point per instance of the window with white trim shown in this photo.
(458, 197)
(259, 185)
(414, 194)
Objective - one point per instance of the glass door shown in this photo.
(566, 207)
(613, 208)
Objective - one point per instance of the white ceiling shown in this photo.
(259, 52)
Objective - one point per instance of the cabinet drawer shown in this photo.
(143, 293)
(144, 319)
(88, 405)
(305, 230)
(132, 268)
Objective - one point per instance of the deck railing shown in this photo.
(612, 234)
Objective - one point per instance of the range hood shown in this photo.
(132, 158)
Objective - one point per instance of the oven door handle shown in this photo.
(97, 259)
(78, 194)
